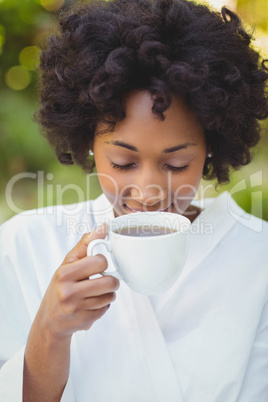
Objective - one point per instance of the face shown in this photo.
(146, 164)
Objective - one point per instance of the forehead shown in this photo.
(141, 124)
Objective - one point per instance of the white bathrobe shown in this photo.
(204, 340)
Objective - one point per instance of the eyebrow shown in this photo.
(122, 144)
(179, 147)
(166, 151)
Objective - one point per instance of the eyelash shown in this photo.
(130, 165)
(178, 169)
(122, 167)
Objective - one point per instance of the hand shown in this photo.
(72, 301)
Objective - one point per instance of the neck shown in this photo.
(192, 212)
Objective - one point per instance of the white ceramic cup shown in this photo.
(148, 263)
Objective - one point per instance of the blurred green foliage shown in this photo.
(23, 25)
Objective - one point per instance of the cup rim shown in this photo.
(151, 213)
(183, 221)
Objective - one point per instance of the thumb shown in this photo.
(80, 250)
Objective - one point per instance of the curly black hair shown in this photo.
(103, 50)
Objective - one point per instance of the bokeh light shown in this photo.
(52, 5)
(261, 42)
(17, 78)
(218, 4)
(29, 57)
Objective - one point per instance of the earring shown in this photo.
(209, 155)
(91, 153)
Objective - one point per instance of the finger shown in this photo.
(95, 303)
(98, 286)
(72, 292)
(82, 269)
(88, 317)
(80, 250)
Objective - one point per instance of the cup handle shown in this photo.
(106, 243)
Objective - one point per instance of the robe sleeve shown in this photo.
(255, 384)
(11, 381)
(20, 296)
(14, 319)
(11, 378)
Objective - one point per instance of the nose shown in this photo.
(148, 193)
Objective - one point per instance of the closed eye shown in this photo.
(178, 168)
(169, 167)
(122, 167)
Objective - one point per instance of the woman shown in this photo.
(162, 92)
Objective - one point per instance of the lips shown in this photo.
(132, 210)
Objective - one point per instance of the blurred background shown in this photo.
(30, 175)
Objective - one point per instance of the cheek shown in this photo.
(184, 189)
(188, 184)
(112, 184)
(184, 194)
(107, 180)
(108, 184)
